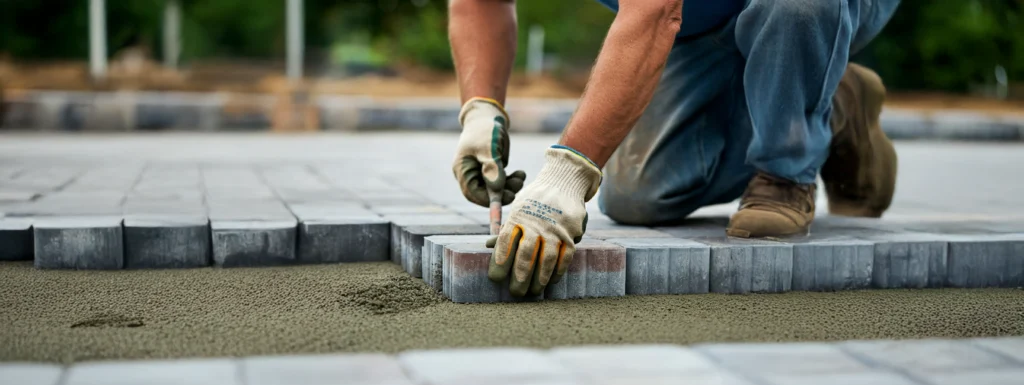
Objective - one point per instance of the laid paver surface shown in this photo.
(65, 316)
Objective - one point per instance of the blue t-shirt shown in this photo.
(699, 15)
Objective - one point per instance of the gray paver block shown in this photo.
(356, 369)
(788, 358)
(846, 378)
(716, 378)
(632, 360)
(29, 374)
(163, 372)
(909, 260)
(986, 261)
(329, 210)
(639, 232)
(482, 366)
(990, 376)
(248, 210)
(354, 239)
(924, 355)
(427, 209)
(1012, 347)
(78, 243)
(665, 266)
(597, 269)
(832, 263)
(16, 239)
(744, 265)
(464, 276)
(400, 221)
(253, 243)
(411, 242)
(166, 241)
(433, 252)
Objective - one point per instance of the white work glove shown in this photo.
(548, 218)
(482, 154)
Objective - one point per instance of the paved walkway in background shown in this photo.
(995, 361)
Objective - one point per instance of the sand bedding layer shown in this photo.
(66, 316)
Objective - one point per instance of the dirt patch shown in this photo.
(109, 320)
(390, 296)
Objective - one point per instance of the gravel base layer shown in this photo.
(68, 316)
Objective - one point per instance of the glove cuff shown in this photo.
(570, 172)
(485, 106)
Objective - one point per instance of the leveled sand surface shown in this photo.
(67, 316)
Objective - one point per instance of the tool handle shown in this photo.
(495, 211)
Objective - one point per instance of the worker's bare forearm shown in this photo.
(483, 40)
(624, 78)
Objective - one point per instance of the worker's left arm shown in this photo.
(548, 217)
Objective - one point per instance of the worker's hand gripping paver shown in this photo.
(482, 154)
(547, 219)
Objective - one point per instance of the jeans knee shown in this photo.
(637, 208)
(792, 15)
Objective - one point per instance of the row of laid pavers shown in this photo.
(126, 111)
(980, 361)
(830, 259)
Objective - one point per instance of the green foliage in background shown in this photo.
(929, 44)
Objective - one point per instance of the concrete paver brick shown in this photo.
(743, 266)
(909, 260)
(253, 243)
(16, 239)
(354, 369)
(400, 221)
(411, 242)
(665, 266)
(428, 209)
(166, 241)
(162, 372)
(464, 276)
(990, 376)
(78, 243)
(832, 263)
(844, 378)
(595, 362)
(1012, 347)
(12, 373)
(433, 251)
(924, 355)
(986, 261)
(597, 269)
(639, 232)
(354, 239)
(716, 378)
(329, 210)
(482, 366)
(783, 358)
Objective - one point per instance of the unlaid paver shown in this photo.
(990, 376)
(483, 366)
(344, 239)
(665, 265)
(16, 239)
(831, 263)
(909, 260)
(985, 260)
(744, 266)
(411, 242)
(464, 276)
(433, 254)
(355, 369)
(597, 269)
(922, 356)
(783, 358)
(21, 373)
(155, 372)
(163, 241)
(78, 243)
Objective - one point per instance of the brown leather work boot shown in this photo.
(773, 208)
(860, 173)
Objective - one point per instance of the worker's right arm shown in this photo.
(483, 40)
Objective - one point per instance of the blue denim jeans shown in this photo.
(753, 94)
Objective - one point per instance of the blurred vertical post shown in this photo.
(97, 39)
(535, 51)
(294, 32)
(172, 33)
